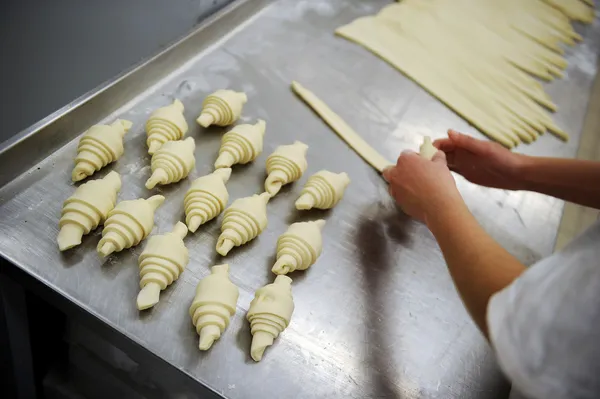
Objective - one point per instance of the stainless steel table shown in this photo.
(378, 315)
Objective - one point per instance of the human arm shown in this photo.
(479, 266)
(489, 164)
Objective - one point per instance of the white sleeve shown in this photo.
(545, 326)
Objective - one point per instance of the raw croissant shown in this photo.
(244, 220)
(269, 314)
(165, 124)
(128, 224)
(206, 198)
(323, 190)
(99, 146)
(172, 162)
(161, 263)
(241, 144)
(86, 209)
(427, 150)
(299, 247)
(285, 165)
(213, 305)
(222, 108)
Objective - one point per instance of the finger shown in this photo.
(387, 173)
(404, 154)
(391, 191)
(439, 157)
(467, 142)
(445, 145)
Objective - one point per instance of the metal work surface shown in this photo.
(378, 315)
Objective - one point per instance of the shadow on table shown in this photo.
(381, 227)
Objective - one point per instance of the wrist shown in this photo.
(445, 212)
(519, 171)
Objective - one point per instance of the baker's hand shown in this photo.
(481, 162)
(422, 188)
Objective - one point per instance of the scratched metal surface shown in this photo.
(378, 315)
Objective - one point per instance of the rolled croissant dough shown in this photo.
(338, 125)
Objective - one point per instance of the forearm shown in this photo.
(572, 180)
(479, 266)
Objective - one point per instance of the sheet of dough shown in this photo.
(338, 125)
(476, 56)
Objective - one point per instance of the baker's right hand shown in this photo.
(481, 162)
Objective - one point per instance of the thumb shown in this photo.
(439, 157)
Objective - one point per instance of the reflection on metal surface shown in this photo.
(377, 315)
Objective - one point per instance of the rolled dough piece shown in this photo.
(323, 190)
(285, 165)
(362, 148)
(165, 124)
(299, 247)
(163, 260)
(86, 209)
(243, 221)
(222, 108)
(206, 198)
(269, 314)
(99, 146)
(172, 162)
(427, 150)
(128, 224)
(241, 145)
(213, 305)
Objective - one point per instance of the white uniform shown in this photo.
(545, 326)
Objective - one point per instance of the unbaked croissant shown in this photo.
(86, 209)
(163, 260)
(285, 165)
(128, 224)
(206, 198)
(213, 305)
(323, 190)
(99, 146)
(172, 162)
(222, 108)
(243, 221)
(299, 247)
(165, 124)
(242, 144)
(269, 314)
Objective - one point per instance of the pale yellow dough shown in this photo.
(479, 57)
(323, 190)
(99, 146)
(163, 260)
(165, 124)
(241, 145)
(86, 209)
(214, 304)
(427, 150)
(269, 314)
(243, 221)
(285, 165)
(206, 198)
(299, 247)
(172, 162)
(128, 224)
(343, 130)
(222, 108)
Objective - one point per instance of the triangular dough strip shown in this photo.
(374, 41)
(337, 124)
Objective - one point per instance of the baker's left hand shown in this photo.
(422, 188)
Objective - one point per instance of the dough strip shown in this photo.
(337, 124)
